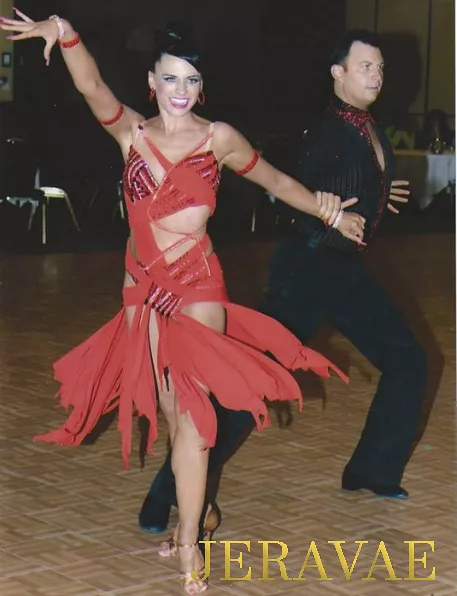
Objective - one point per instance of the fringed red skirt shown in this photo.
(113, 368)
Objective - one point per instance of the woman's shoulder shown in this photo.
(224, 133)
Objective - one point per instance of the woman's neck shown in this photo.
(174, 124)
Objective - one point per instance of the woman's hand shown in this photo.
(118, 120)
(331, 211)
(330, 205)
(25, 28)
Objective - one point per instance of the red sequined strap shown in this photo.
(116, 118)
(70, 44)
(163, 301)
(250, 165)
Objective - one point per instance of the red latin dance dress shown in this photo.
(115, 367)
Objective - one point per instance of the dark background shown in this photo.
(267, 73)
(266, 61)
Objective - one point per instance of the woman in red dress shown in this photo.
(177, 337)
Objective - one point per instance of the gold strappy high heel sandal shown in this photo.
(193, 586)
(169, 548)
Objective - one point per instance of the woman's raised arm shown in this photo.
(117, 118)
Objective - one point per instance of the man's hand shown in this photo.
(397, 195)
(352, 226)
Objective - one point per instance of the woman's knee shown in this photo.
(188, 432)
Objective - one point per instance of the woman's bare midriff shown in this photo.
(183, 238)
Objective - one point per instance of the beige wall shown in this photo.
(442, 57)
(431, 23)
(6, 92)
(360, 14)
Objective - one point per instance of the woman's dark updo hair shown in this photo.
(175, 41)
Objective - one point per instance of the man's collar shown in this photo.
(349, 113)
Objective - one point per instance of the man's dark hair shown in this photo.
(343, 46)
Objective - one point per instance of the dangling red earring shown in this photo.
(201, 98)
(152, 94)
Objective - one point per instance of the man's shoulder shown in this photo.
(325, 130)
(325, 120)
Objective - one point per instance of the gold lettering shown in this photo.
(387, 564)
(314, 551)
(339, 551)
(266, 559)
(411, 560)
(195, 574)
(228, 560)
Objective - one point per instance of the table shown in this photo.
(427, 173)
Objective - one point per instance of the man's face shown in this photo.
(359, 81)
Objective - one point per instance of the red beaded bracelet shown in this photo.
(70, 44)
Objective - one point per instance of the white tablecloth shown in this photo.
(427, 173)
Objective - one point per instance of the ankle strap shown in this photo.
(186, 545)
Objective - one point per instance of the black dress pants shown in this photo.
(311, 286)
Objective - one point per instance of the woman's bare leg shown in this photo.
(166, 397)
(190, 460)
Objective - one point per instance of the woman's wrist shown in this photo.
(59, 24)
(69, 32)
(338, 219)
(66, 33)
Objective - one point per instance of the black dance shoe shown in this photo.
(354, 482)
(154, 515)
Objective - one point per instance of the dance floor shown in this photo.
(68, 521)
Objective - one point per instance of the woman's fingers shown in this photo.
(13, 22)
(14, 26)
(19, 36)
(349, 202)
(23, 16)
(47, 50)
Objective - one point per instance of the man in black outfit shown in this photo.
(318, 276)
